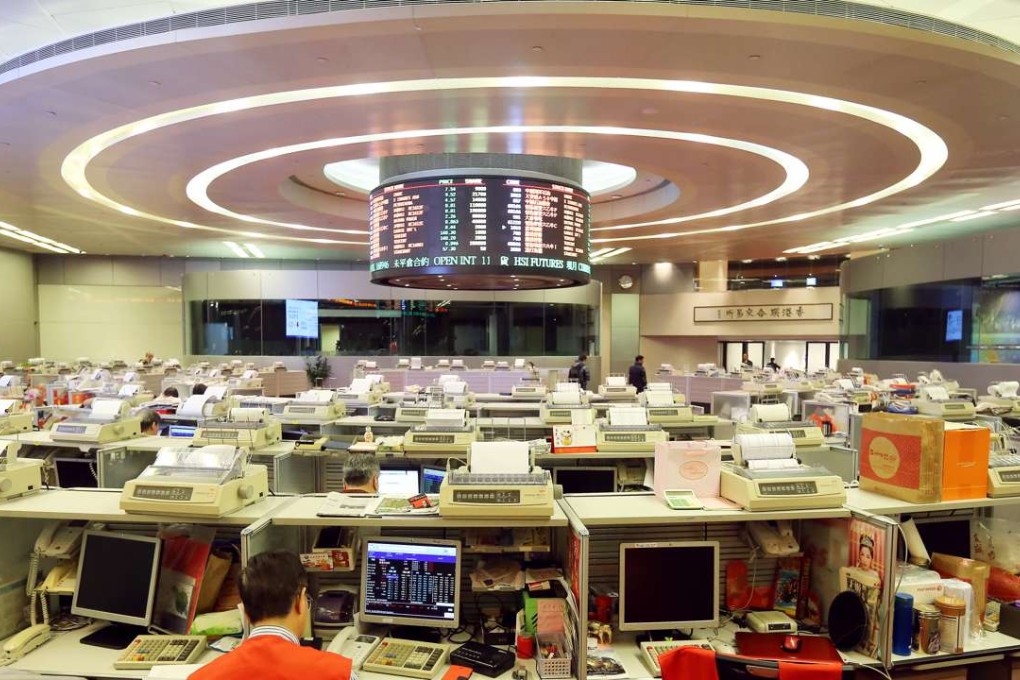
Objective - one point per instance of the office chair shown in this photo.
(686, 663)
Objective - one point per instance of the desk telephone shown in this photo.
(776, 539)
(59, 540)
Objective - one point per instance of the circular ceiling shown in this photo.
(720, 133)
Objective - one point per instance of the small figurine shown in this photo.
(519, 673)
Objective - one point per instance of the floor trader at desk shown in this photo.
(274, 590)
(361, 473)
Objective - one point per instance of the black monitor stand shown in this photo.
(416, 633)
(114, 636)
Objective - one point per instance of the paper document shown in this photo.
(937, 393)
(248, 415)
(625, 415)
(194, 406)
(582, 416)
(217, 392)
(360, 386)
(659, 398)
(765, 446)
(500, 458)
(616, 381)
(319, 396)
(347, 505)
(7, 405)
(106, 408)
(566, 398)
(773, 464)
(568, 387)
(128, 390)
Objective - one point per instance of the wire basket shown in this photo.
(558, 666)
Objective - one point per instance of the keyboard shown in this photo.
(1005, 460)
(407, 657)
(146, 651)
(651, 651)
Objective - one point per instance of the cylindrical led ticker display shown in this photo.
(482, 232)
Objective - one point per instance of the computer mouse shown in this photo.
(791, 643)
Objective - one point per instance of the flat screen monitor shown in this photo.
(431, 478)
(398, 482)
(954, 325)
(302, 318)
(181, 431)
(586, 479)
(117, 575)
(75, 473)
(411, 581)
(669, 585)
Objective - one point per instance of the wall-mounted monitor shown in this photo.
(302, 319)
(954, 325)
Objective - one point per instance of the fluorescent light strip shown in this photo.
(238, 250)
(25, 236)
(974, 216)
(600, 253)
(871, 235)
(255, 250)
(933, 150)
(611, 253)
(796, 171)
(1007, 205)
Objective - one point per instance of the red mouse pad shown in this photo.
(770, 646)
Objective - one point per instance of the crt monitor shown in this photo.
(432, 478)
(586, 479)
(74, 473)
(117, 575)
(398, 482)
(411, 581)
(669, 585)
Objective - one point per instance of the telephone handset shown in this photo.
(59, 540)
(25, 641)
(775, 538)
(61, 579)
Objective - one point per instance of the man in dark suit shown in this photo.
(636, 375)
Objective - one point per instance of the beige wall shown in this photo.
(684, 353)
(19, 336)
(672, 314)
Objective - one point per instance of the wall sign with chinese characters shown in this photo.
(807, 312)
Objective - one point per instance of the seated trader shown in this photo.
(199, 388)
(361, 473)
(274, 589)
(150, 422)
(636, 375)
(773, 365)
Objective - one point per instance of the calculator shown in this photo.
(683, 499)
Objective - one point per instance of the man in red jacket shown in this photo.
(274, 590)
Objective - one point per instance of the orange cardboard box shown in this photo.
(965, 461)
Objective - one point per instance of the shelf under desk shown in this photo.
(877, 504)
(303, 512)
(103, 505)
(633, 509)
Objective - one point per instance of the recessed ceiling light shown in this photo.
(537, 48)
(617, 196)
(155, 83)
(920, 82)
(52, 113)
(237, 250)
(780, 259)
(754, 57)
(321, 60)
(255, 250)
(747, 261)
(814, 257)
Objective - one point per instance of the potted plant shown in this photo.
(318, 370)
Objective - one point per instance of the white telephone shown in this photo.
(25, 641)
(356, 647)
(59, 540)
(775, 538)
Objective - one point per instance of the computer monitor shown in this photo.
(586, 479)
(181, 431)
(117, 575)
(669, 585)
(399, 482)
(411, 582)
(75, 473)
(431, 478)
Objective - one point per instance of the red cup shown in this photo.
(525, 646)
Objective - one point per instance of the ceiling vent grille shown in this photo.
(278, 9)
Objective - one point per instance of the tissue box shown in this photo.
(693, 465)
(901, 456)
(972, 571)
(924, 585)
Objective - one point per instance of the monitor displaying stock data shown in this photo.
(484, 232)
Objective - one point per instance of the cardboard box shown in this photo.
(965, 461)
(901, 456)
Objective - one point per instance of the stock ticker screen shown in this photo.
(479, 232)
